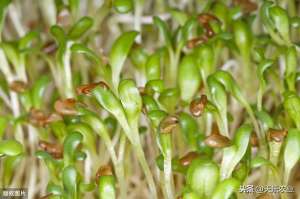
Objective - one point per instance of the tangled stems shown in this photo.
(165, 129)
(130, 104)
(99, 127)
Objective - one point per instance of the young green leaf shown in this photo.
(119, 53)
(154, 86)
(97, 125)
(58, 33)
(87, 133)
(53, 165)
(25, 41)
(9, 166)
(291, 152)
(169, 99)
(155, 117)
(189, 78)
(189, 128)
(11, 51)
(59, 129)
(10, 148)
(262, 67)
(70, 179)
(221, 11)
(230, 85)
(243, 38)
(55, 189)
(203, 176)
(292, 106)
(164, 31)
(280, 20)
(205, 60)
(80, 27)
(265, 120)
(233, 154)
(123, 6)
(138, 57)
(149, 103)
(291, 68)
(3, 6)
(131, 101)
(81, 48)
(179, 16)
(276, 22)
(153, 66)
(185, 32)
(38, 91)
(219, 98)
(109, 101)
(71, 143)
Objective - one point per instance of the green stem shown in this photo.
(137, 18)
(260, 135)
(68, 87)
(149, 178)
(168, 174)
(120, 167)
(118, 164)
(171, 70)
(259, 99)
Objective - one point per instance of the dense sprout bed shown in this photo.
(136, 99)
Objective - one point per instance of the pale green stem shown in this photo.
(275, 152)
(171, 70)
(168, 174)
(120, 167)
(48, 9)
(134, 138)
(138, 11)
(258, 131)
(15, 18)
(259, 99)
(146, 170)
(68, 72)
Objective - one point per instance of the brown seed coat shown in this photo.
(87, 88)
(188, 158)
(168, 124)
(40, 119)
(197, 106)
(50, 47)
(217, 141)
(205, 18)
(246, 5)
(18, 86)
(254, 140)
(103, 171)
(65, 107)
(37, 117)
(276, 135)
(55, 150)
